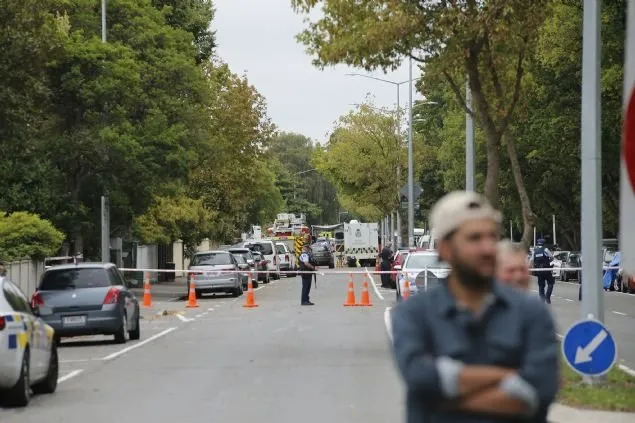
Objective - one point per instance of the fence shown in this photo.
(25, 274)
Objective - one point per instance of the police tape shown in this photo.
(363, 271)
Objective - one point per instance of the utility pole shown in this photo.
(411, 179)
(591, 225)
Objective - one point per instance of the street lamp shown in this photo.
(410, 153)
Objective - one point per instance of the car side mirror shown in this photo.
(397, 267)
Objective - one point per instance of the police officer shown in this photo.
(306, 265)
(387, 258)
(542, 259)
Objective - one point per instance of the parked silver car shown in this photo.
(215, 271)
(87, 299)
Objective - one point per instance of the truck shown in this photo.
(361, 243)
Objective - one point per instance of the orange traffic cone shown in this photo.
(192, 302)
(147, 295)
(365, 294)
(250, 300)
(350, 298)
(406, 289)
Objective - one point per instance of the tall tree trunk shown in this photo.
(492, 178)
(529, 219)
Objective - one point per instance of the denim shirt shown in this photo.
(515, 330)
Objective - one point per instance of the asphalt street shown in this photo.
(279, 362)
(221, 362)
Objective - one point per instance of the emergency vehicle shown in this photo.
(292, 231)
(28, 349)
(361, 243)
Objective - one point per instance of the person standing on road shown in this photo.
(474, 350)
(387, 257)
(511, 265)
(306, 265)
(542, 259)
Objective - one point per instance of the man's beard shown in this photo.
(470, 278)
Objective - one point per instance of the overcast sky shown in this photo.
(256, 37)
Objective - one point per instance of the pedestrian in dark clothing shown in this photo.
(474, 350)
(542, 259)
(387, 258)
(306, 265)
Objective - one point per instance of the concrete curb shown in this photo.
(560, 413)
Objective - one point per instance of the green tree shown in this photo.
(487, 42)
(365, 185)
(25, 235)
(303, 190)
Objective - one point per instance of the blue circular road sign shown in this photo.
(589, 348)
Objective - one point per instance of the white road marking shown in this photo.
(568, 299)
(137, 345)
(69, 375)
(210, 309)
(175, 299)
(81, 360)
(372, 281)
(182, 318)
(388, 322)
(620, 313)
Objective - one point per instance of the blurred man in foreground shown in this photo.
(511, 265)
(473, 350)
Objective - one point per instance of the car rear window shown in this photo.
(240, 259)
(280, 249)
(319, 248)
(421, 261)
(82, 277)
(211, 259)
(263, 247)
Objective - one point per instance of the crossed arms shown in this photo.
(480, 389)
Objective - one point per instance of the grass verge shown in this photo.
(616, 394)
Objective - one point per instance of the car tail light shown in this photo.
(36, 300)
(275, 259)
(112, 297)
(286, 257)
(3, 323)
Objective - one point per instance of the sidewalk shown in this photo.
(563, 414)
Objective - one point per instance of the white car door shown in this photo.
(38, 340)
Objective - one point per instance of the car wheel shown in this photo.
(135, 334)
(254, 284)
(122, 334)
(20, 394)
(49, 385)
(332, 265)
(238, 291)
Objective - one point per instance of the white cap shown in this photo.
(458, 207)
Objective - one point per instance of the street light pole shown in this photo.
(411, 187)
(103, 21)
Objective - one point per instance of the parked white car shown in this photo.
(559, 257)
(286, 259)
(28, 350)
(422, 270)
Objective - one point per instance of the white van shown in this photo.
(286, 259)
(268, 249)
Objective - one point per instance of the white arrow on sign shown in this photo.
(583, 355)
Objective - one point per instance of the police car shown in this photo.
(28, 352)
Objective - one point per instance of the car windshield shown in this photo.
(263, 247)
(240, 259)
(211, 259)
(421, 261)
(77, 278)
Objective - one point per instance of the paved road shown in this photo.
(221, 362)
(280, 362)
